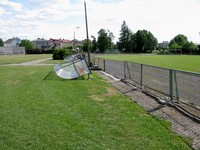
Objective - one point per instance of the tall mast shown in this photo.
(88, 49)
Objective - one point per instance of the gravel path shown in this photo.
(36, 62)
(31, 63)
(181, 124)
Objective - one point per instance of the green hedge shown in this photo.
(59, 54)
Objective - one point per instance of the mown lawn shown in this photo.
(16, 59)
(180, 62)
(51, 61)
(74, 114)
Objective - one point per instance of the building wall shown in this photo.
(11, 50)
(41, 44)
(164, 44)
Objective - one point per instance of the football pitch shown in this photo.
(74, 114)
(180, 62)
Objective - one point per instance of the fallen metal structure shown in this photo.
(74, 67)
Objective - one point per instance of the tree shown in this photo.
(104, 40)
(178, 41)
(27, 44)
(145, 41)
(94, 44)
(152, 42)
(190, 47)
(1, 42)
(111, 37)
(181, 42)
(84, 47)
(174, 45)
(124, 43)
(59, 54)
(133, 42)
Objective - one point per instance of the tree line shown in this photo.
(142, 41)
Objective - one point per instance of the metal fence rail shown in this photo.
(180, 85)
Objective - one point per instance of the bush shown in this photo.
(59, 54)
(155, 52)
(161, 52)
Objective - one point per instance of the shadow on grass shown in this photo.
(52, 76)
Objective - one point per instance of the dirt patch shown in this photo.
(97, 98)
(110, 92)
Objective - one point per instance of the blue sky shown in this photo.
(33, 19)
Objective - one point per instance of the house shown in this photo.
(60, 43)
(164, 45)
(41, 44)
(12, 42)
(77, 44)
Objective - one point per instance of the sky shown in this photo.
(32, 19)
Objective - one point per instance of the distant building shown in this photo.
(11, 50)
(12, 42)
(41, 44)
(60, 43)
(164, 45)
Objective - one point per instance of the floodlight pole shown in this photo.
(75, 38)
(88, 49)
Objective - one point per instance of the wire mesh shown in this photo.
(187, 87)
(156, 78)
(115, 68)
(183, 86)
(133, 71)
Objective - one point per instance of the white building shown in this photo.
(12, 42)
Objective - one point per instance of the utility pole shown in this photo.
(75, 38)
(88, 49)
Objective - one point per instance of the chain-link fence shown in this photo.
(179, 85)
(186, 87)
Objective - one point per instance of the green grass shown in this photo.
(180, 62)
(16, 59)
(74, 114)
(51, 61)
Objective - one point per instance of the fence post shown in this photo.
(124, 70)
(104, 65)
(141, 76)
(171, 84)
(98, 61)
(176, 85)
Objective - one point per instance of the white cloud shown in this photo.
(58, 18)
(54, 4)
(2, 11)
(12, 5)
(164, 19)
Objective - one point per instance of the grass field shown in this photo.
(74, 114)
(180, 62)
(16, 59)
(51, 61)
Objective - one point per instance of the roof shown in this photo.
(60, 40)
(40, 39)
(10, 40)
